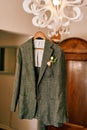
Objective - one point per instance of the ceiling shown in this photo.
(15, 20)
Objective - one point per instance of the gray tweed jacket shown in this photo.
(50, 104)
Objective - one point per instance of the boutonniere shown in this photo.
(52, 60)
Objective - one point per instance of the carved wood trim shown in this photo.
(74, 45)
(74, 48)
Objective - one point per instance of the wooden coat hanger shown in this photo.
(56, 38)
(40, 35)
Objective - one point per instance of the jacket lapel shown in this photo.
(46, 56)
(29, 51)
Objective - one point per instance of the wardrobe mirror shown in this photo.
(8, 60)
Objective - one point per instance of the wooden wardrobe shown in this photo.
(76, 61)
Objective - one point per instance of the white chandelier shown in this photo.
(56, 15)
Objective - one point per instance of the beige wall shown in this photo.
(10, 59)
(6, 82)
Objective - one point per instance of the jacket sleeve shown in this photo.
(63, 84)
(63, 74)
(17, 81)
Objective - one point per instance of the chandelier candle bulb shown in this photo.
(56, 2)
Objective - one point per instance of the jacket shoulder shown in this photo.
(26, 43)
(58, 48)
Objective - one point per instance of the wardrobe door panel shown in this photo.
(77, 92)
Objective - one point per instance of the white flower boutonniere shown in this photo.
(51, 61)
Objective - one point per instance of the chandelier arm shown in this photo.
(39, 21)
(26, 7)
(77, 12)
(74, 2)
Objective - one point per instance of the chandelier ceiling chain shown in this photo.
(56, 15)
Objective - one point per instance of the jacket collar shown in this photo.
(48, 50)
